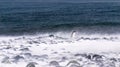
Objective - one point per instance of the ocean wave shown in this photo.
(80, 28)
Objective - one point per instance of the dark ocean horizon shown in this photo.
(35, 17)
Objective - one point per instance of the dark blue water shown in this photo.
(33, 17)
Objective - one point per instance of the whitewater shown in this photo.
(57, 51)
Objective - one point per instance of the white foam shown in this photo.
(44, 45)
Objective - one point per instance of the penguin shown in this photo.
(73, 34)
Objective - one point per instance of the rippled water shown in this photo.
(32, 17)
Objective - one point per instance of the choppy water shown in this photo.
(87, 18)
